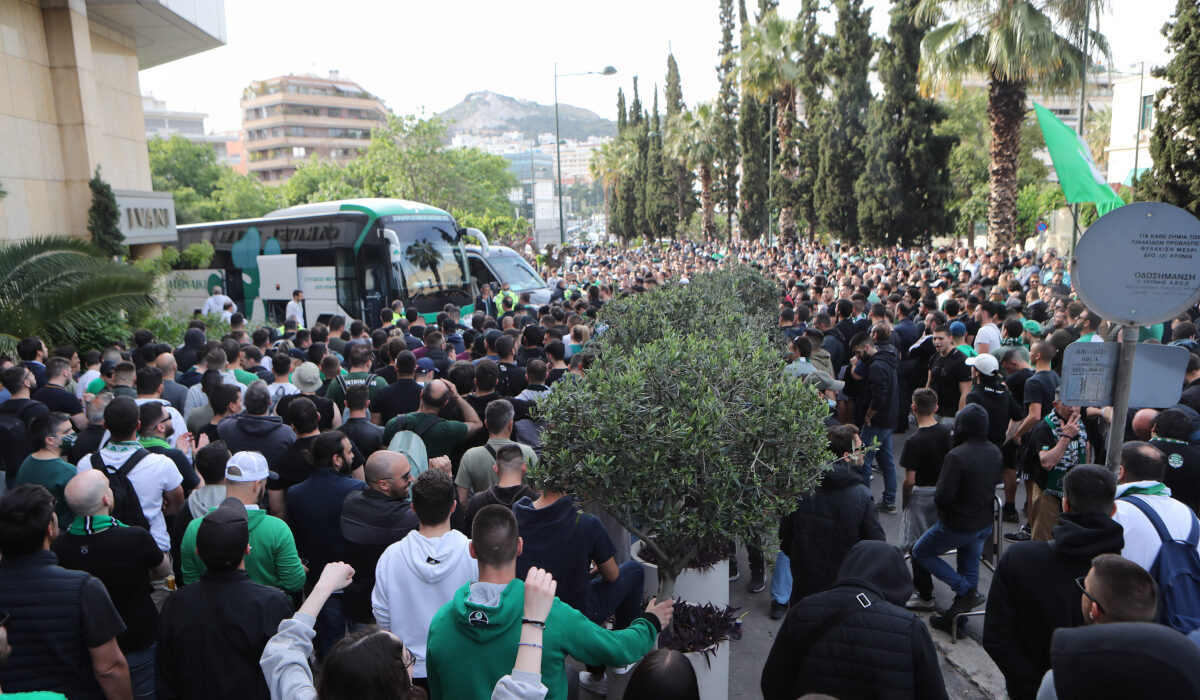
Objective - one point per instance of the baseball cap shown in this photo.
(223, 535)
(1032, 326)
(958, 328)
(1014, 303)
(985, 363)
(307, 377)
(426, 365)
(823, 382)
(248, 466)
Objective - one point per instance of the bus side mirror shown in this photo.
(393, 242)
(478, 235)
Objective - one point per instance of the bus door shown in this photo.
(377, 293)
(277, 280)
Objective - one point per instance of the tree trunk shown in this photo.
(1006, 110)
(709, 225)
(789, 164)
(666, 584)
(787, 224)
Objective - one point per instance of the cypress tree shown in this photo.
(658, 207)
(843, 129)
(800, 194)
(635, 191)
(1175, 141)
(616, 209)
(754, 139)
(676, 173)
(904, 189)
(727, 108)
(104, 218)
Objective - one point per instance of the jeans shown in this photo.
(883, 455)
(330, 626)
(781, 579)
(622, 598)
(938, 540)
(141, 672)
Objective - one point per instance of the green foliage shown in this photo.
(499, 229)
(196, 256)
(104, 218)
(725, 178)
(843, 121)
(1035, 203)
(904, 190)
(683, 436)
(679, 177)
(99, 331)
(58, 287)
(204, 189)
(407, 159)
(1175, 141)
(170, 328)
(160, 264)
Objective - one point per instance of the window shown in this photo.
(298, 151)
(1146, 119)
(295, 131)
(334, 112)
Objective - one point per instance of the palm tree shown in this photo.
(612, 164)
(771, 65)
(424, 255)
(692, 141)
(1017, 45)
(55, 286)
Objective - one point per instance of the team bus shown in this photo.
(350, 257)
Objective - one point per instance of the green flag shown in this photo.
(1077, 173)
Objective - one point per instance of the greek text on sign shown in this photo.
(1139, 264)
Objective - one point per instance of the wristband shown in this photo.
(540, 624)
(529, 644)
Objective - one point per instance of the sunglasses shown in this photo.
(1079, 582)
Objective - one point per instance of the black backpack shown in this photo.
(15, 443)
(127, 507)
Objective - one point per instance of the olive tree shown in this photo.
(689, 439)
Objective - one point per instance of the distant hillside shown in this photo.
(486, 113)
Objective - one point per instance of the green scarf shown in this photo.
(1157, 489)
(149, 441)
(93, 524)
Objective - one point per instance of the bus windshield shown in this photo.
(518, 274)
(432, 261)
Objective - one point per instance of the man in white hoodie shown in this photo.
(421, 572)
(1140, 479)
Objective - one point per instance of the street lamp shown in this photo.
(562, 224)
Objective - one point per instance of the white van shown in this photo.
(496, 264)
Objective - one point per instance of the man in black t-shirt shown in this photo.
(56, 397)
(1016, 372)
(921, 460)
(1037, 402)
(949, 374)
(403, 396)
(125, 559)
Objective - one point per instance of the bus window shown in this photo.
(431, 267)
(347, 282)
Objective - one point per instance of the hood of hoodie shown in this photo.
(482, 623)
(877, 565)
(886, 353)
(193, 339)
(204, 499)
(259, 426)
(839, 477)
(432, 559)
(1148, 660)
(1084, 535)
(545, 524)
(971, 422)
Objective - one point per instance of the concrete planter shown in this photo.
(712, 671)
(697, 586)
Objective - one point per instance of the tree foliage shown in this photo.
(205, 189)
(1175, 141)
(726, 173)
(59, 287)
(905, 188)
(712, 440)
(104, 218)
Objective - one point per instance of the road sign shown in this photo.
(1089, 374)
(1041, 227)
(1140, 264)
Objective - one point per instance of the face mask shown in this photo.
(67, 440)
(832, 403)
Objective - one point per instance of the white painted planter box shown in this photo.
(712, 673)
(697, 586)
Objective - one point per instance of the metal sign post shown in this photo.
(1120, 406)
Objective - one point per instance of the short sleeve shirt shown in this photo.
(1040, 389)
(948, 372)
(475, 471)
(54, 475)
(152, 477)
(58, 399)
(924, 452)
(336, 394)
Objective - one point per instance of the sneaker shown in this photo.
(734, 574)
(889, 508)
(942, 621)
(596, 686)
(757, 583)
(920, 603)
(1022, 535)
(1010, 514)
(966, 602)
(778, 610)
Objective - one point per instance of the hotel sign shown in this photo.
(147, 217)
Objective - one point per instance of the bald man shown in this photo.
(173, 392)
(372, 519)
(272, 560)
(125, 559)
(440, 436)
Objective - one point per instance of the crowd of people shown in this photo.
(343, 511)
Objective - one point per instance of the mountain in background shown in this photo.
(486, 113)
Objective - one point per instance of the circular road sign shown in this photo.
(1139, 264)
(1041, 227)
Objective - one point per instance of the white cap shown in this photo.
(985, 363)
(248, 466)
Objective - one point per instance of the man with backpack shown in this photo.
(1162, 535)
(15, 415)
(359, 357)
(439, 436)
(144, 485)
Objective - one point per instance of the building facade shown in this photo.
(291, 118)
(1132, 124)
(70, 103)
(163, 123)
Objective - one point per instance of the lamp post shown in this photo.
(562, 224)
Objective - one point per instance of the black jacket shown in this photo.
(211, 635)
(1125, 660)
(880, 651)
(970, 472)
(823, 528)
(370, 523)
(1034, 593)
(883, 386)
(265, 434)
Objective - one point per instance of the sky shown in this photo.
(426, 56)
